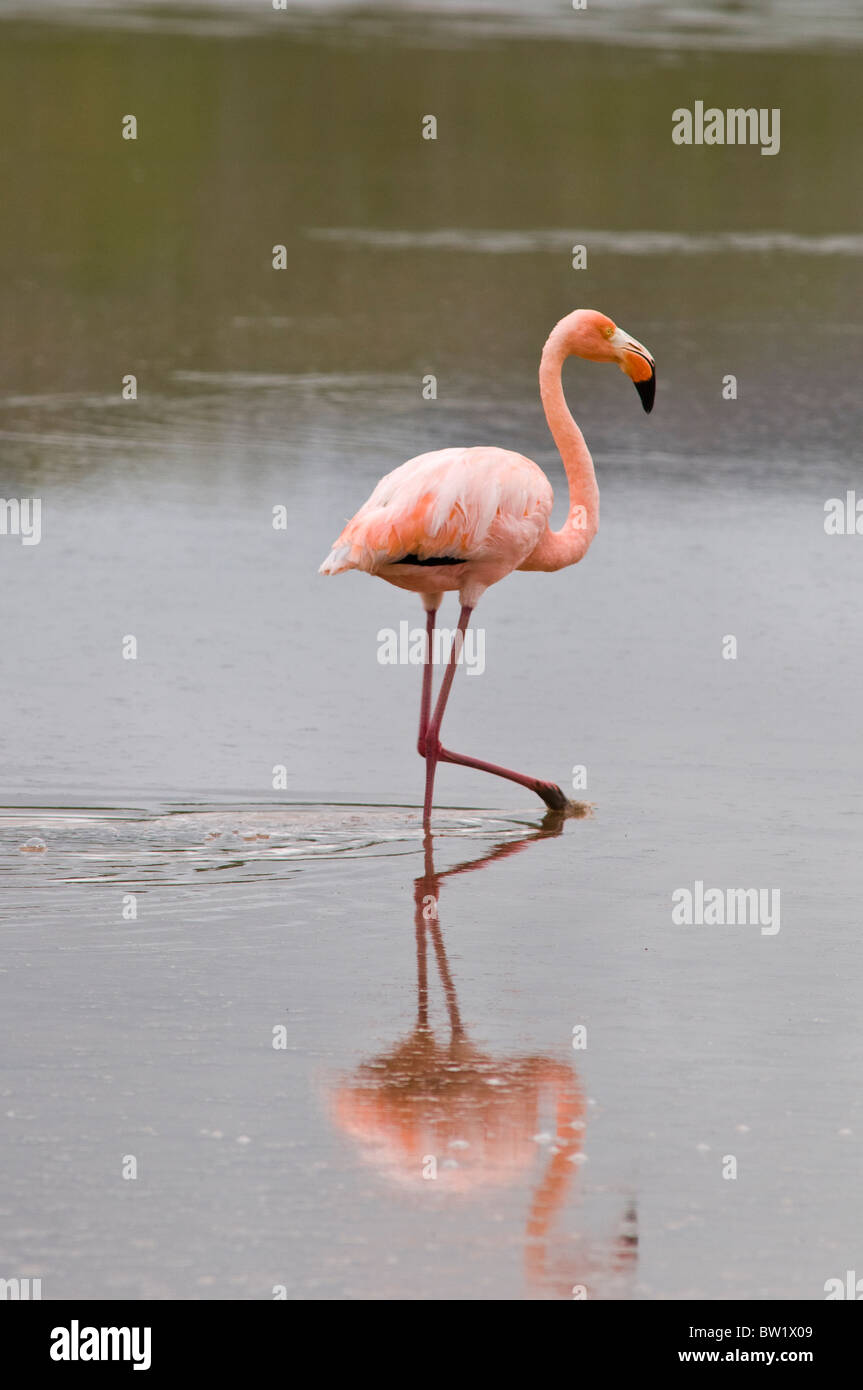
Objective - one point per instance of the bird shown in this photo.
(461, 519)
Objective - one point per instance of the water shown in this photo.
(150, 782)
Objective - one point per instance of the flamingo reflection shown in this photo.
(442, 1109)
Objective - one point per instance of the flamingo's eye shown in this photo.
(609, 331)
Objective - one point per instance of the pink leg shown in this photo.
(551, 794)
(432, 740)
(425, 702)
(434, 753)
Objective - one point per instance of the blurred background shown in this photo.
(301, 387)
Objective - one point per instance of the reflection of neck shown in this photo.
(556, 549)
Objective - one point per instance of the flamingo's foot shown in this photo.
(552, 796)
(560, 805)
(548, 792)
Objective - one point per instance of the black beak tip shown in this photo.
(647, 391)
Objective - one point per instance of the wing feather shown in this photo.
(461, 503)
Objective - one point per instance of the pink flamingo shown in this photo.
(464, 518)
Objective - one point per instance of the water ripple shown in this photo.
(181, 846)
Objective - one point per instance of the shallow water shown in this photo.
(146, 787)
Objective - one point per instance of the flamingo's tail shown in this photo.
(338, 560)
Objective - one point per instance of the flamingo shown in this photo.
(464, 518)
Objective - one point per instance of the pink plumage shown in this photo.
(484, 507)
(463, 519)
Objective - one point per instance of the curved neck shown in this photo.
(557, 549)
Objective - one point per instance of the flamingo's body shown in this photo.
(464, 518)
(481, 511)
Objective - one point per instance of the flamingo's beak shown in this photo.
(638, 364)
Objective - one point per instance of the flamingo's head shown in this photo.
(590, 334)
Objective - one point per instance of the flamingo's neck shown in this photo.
(557, 549)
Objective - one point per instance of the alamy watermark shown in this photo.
(737, 125)
(20, 1290)
(22, 517)
(843, 516)
(850, 1287)
(726, 907)
(407, 647)
(77, 1343)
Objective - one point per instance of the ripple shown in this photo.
(179, 846)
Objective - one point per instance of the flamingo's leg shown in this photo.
(425, 702)
(435, 753)
(432, 739)
(550, 793)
